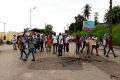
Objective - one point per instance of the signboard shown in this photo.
(88, 25)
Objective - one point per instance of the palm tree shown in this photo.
(96, 18)
(86, 11)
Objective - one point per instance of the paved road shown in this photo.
(49, 67)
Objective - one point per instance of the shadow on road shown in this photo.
(69, 63)
(62, 63)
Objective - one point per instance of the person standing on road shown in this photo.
(23, 46)
(78, 43)
(60, 46)
(110, 45)
(67, 43)
(104, 43)
(14, 40)
(31, 47)
(41, 43)
(94, 45)
(20, 46)
(54, 43)
(38, 41)
(49, 43)
(35, 42)
(88, 46)
(84, 42)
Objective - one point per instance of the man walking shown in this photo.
(104, 43)
(31, 47)
(110, 47)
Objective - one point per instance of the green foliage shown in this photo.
(48, 29)
(100, 30)
(77, 26)
(86, 11)
(115, 15)
(96, 18)
(116, 34)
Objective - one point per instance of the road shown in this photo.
(49, 67)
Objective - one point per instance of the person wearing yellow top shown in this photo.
(88, 40)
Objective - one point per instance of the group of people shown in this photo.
(91, 42)
(37, 42)
(59, 44)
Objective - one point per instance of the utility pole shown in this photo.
(4, 28)
(110, 18)
(30, 16)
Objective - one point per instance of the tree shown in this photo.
(96, 18)
(86, 11)
(115, 15)
(79, 22)
(77, 26)
(48, 29)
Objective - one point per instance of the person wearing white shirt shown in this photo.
(60, 39)
(66, 43)
(104, 43)
(14, 40)
(94, 45)
(54, 38)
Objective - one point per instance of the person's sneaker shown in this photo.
(89, 57)
(115, 56)
(107, 56)
(97, 55)
(33, 60)
(24, 59)
(81, 51)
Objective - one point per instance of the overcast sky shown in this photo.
(59, 13)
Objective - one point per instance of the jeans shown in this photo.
(54, 47)
(23, 51)
(78, 47)
(60, 49)
(104, 49)
(31, 50)
(94, 46)
(111, 50)
(66, 46)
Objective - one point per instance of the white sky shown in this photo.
(16, 13)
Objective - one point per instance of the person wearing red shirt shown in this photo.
(110, 45)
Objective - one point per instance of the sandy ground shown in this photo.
(49, 67)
